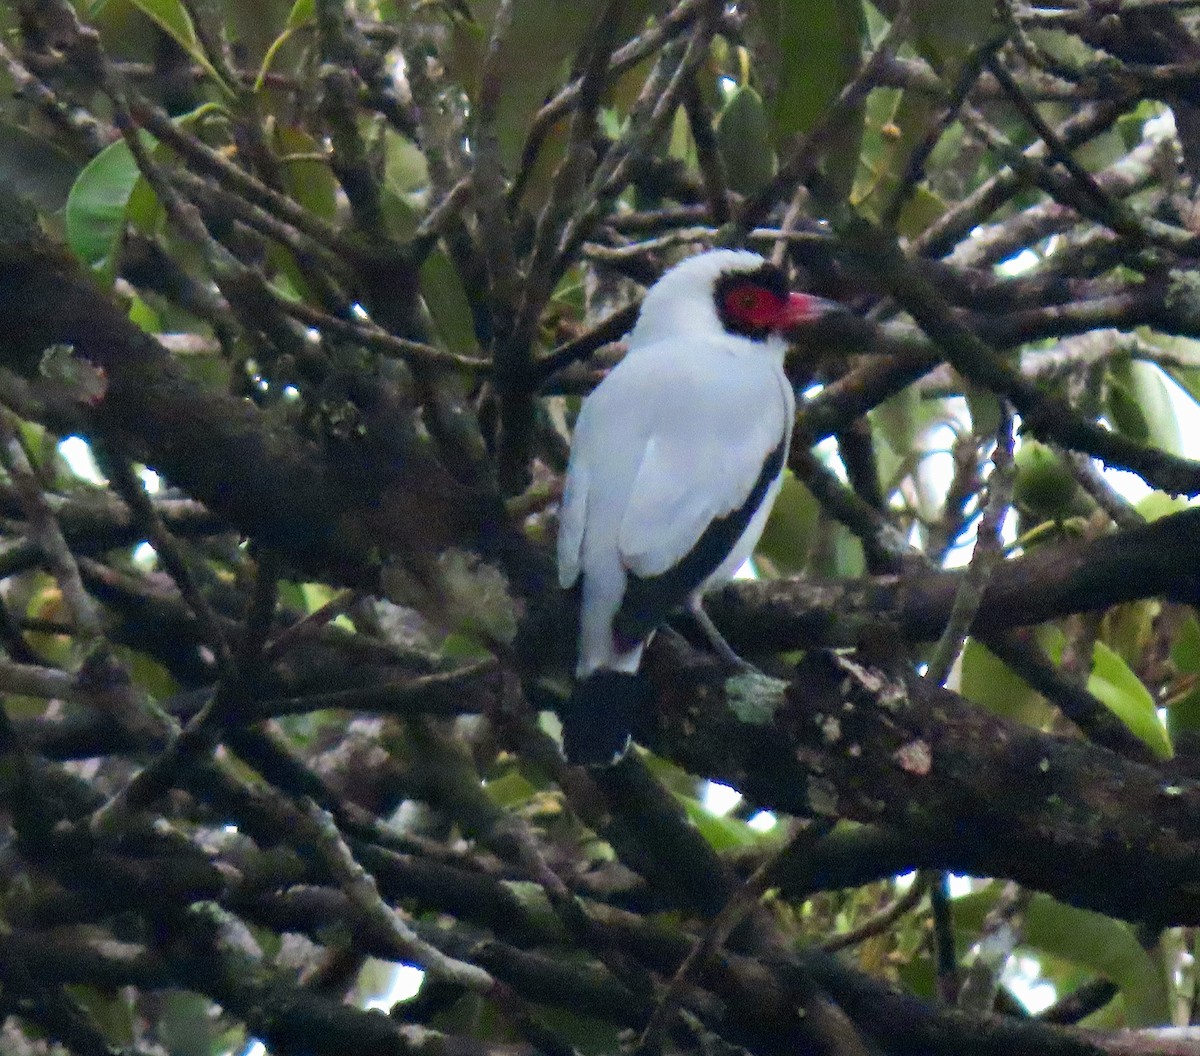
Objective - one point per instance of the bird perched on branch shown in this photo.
(676, 460)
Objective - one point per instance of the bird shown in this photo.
(676, 459)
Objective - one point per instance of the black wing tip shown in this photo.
(649, 600)
(600, 717)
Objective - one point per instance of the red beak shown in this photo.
(804, 308)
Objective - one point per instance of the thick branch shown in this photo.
(1157, 559)
(995, 798)
(325, 508)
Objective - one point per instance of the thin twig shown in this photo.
(77, 122)
(675, 23)
(44, 527)
(1123, 513)
(571, 173)
(914, 169)
(607, 330)
(339, 103)
(999, 936)
(209, 193)
(1042, 413)
(203, 731)
(882, 920)
(806, 155)
(360, 887)
(370, 335)
(989, 551)
(443, 693)
(959, 220)
(312, 622)
(945, 950)
(708, 156)
(237, 180)
(171, 554)
(656, 104)
(713, 938)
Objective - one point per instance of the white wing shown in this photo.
(704, 455)
(610, 436)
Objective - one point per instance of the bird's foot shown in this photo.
(721, 647)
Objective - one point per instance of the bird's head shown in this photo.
(725, 291)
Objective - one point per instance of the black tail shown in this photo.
(603, 711)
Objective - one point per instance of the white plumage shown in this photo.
(690, 427)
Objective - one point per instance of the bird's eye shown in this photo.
(750, 304)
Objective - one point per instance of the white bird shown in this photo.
(676, 461)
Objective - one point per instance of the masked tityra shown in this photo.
(677, 458)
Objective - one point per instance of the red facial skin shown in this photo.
(761, 309)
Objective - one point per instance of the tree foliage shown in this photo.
(319, 286)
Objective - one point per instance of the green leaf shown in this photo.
(269, 58)
(1118, 688)
(1044, 486)
(788, 537)
(984, 408)
(143, 315)
(680, 145)
(1108, 947)
(1186, 351)
(531, 60)
(97, 204)
(1159, 504)
(302, 11)
(895, 124)
(1188, 379)
(400, 216)
(511, 789)
(818, 47)
(405, 167)
(188, 1026)
(173, 19)
(836, 551)
(721, 833)
(744, 140)
(144, 212)
(1183, 718)
(1124, 409)
(1123, 693)
(988, 681)
(316, 595)
(947, 31)
(1150, 386)
(1185, 650)
(149, 674)
(308, 180)
(1183, 714)
(1127, 629)
(463, 55)
(110, 1009)
(895, 422)
(920, 211)
(35, 168)
(1152, 417)
(448, 305)
(814, 49)
(301, 15)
